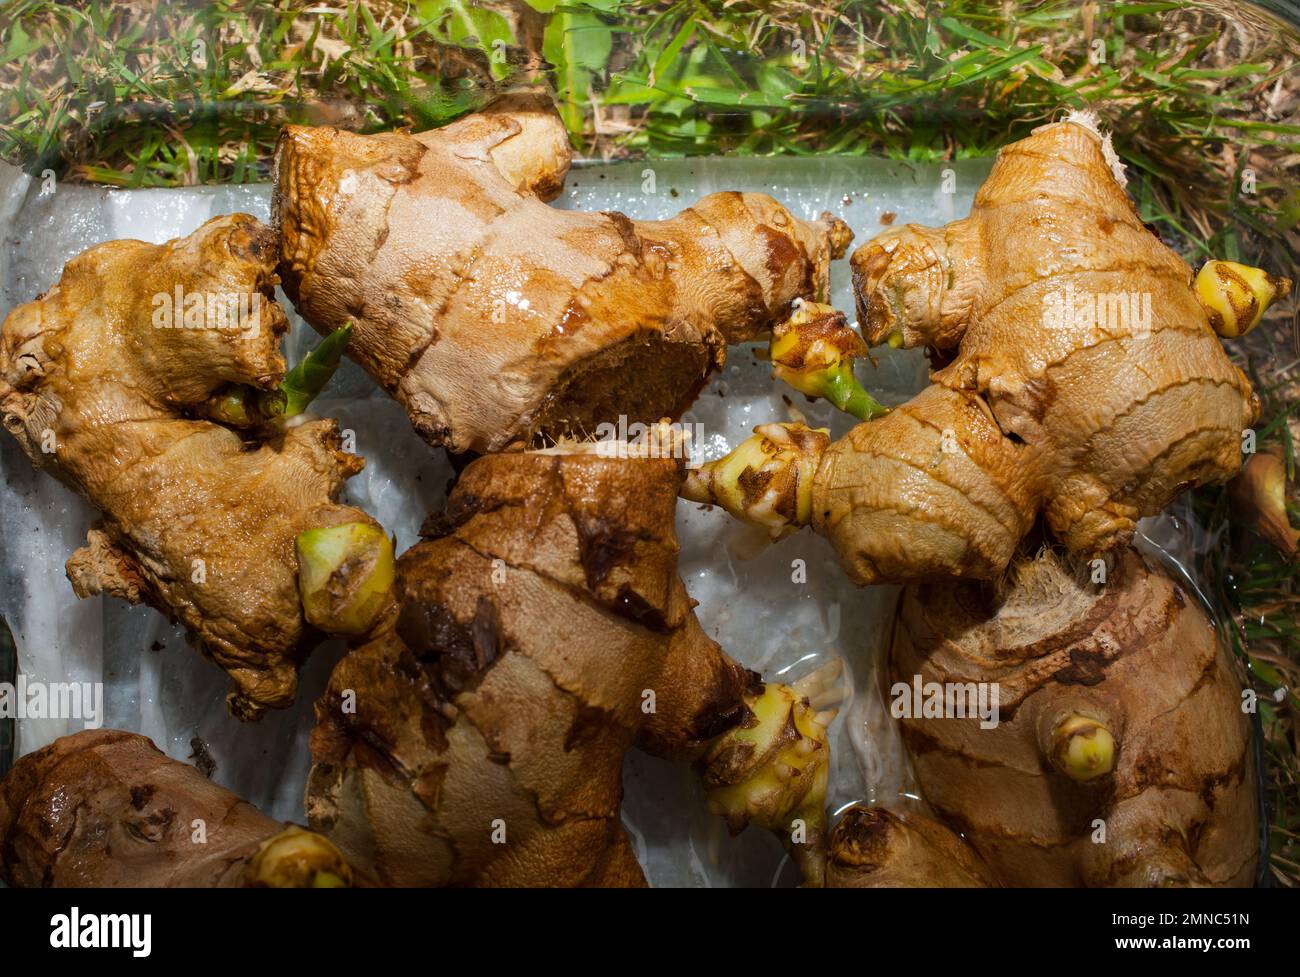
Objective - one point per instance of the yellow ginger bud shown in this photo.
(298, 859)
(345, 576)
(813, 351)
(1236, 296)
(1082, 748)
(767, 480)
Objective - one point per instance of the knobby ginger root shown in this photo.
(1107, 391)
(902, 498)
(1084, 379)
(106, 808)
(490, 315)
(109, 393)
(543, 631)
(1121, 756)
(882, 848)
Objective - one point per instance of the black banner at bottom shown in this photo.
(128, 928)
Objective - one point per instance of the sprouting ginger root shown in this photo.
(543, 631)
(931, 490)
(108, 392)
(884, 848)
(1122, 752)
(1081, 332)
(1084, 381)
(106, 808)
(922, 498)
(789, 475)
(491, 316)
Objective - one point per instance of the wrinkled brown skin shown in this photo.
(105, 808)
(1136, 653)
(882, 848)
(543, 606)
(490, 315)
(122, 399)
(1094, 425)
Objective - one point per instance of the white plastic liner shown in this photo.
(156, 685)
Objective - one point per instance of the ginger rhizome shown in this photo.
(1082, 378)
(105, 808)
(1258, 498)
(110, 381)
(490, 315)
(884, 848)
(1122, 755)
(1077, 336)
(543, 631)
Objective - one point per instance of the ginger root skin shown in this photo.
(929, 491)
(543, 631)
(887, 848)
(197, 521)
(1134, 655)
(106, 808)
(1075, 332)
(491, 316)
